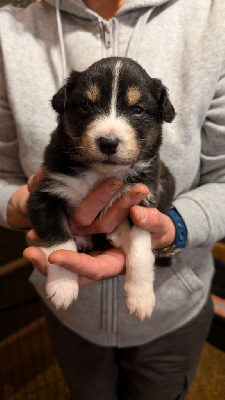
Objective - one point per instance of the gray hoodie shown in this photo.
(182, 42)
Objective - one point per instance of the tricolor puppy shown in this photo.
(110, 125)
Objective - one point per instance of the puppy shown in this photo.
(110, 125)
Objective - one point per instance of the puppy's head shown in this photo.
(113, 113)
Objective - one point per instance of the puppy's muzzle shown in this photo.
(108, 145)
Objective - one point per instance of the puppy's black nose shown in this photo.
(108, 145)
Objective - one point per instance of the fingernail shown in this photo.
(142, 213)
(140, 195)
(32, 182)
(114, 187)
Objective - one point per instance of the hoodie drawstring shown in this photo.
(61, 41)
(137, 34)
(132, 46)
(111, 34)
(116, 36)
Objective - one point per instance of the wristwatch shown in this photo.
(180, 236)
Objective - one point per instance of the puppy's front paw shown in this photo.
(84, 243)
(114, 239)
(140, 301)
(62, 286)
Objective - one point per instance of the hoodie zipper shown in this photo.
(108, 38)
(108, 34)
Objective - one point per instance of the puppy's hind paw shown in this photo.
(140, 302)
(62, 286)
(84, 243)
(113, 239)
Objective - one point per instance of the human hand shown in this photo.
(101, 265)
(17, 213)
(160, 226)
(84, 219)
(35, 179)
(90, 267)
(96, 265)
(17, 209)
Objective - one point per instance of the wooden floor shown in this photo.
(209, 382)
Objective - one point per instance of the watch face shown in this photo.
(166, 251)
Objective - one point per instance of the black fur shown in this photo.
(49, 213)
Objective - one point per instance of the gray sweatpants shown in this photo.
(161, 370)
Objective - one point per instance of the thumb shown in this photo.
(149, 219)
(160, 226)
(35, 179)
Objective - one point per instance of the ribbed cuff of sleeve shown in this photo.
(196, 221)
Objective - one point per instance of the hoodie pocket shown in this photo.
(186, 276)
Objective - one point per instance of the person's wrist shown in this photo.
(180, 236)
(180, 239)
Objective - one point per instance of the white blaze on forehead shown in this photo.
(115, 82)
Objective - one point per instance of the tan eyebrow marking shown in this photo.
(133, 95)
(93, 93)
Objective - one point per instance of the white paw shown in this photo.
(140, 301)
(62, 286)
(114, 238)
(84, 243)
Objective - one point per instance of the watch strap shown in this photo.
(181, 230)
(180, 236)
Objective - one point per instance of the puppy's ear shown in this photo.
(167, 112)
(60, 99)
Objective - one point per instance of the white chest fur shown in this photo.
(75, 188)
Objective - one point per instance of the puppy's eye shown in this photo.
(137, 110)
(85, 106)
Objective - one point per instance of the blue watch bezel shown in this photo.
(181, 230)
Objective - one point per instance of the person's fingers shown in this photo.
(98, 266)
(159, 225)
(93, 266)
(149, 219)
(35, 179)
(84, 281)
(95, 201)
(17, 216)
(116, 213)
(32, 235)
(37, 257)
(120, 209)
